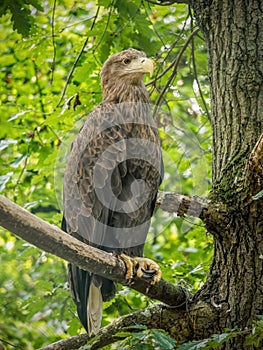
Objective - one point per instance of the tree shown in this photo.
(229, 304)
(235, 68)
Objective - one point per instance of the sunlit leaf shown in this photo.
(4, 179)
(5, 143)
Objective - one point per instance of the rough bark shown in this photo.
(234, 34)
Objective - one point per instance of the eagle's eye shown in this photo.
(126, 61)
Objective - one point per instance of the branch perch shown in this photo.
(53, 240)
(195, 323)
(182, 205)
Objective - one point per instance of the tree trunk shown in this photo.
(234, 33)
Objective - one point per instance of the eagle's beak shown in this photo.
(142, 65)
(147, 66)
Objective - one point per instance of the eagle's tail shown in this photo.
(89, 291)
(94, 309)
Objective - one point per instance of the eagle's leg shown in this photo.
(143, 267)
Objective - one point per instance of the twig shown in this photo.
(198, 82)
(13, 345)
(174, 72)
(76, 23)
(104, 31)
(153, 25)
(39, 89)
(152, 82)
(76, 61)
(53, 42)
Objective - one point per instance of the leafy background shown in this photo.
(41, 42)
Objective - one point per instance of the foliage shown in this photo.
(38, 122)
(153, 339)
(256, 336)
(252, 337)
(206, 344)
(139, 337)
(21, 13)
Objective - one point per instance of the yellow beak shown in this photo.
(147, 66)
(142, 65)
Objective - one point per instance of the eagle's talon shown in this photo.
(147, 277)
(149, 272)
(145, 268)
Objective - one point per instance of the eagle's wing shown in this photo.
(112, 177)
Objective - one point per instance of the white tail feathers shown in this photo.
(94, 309)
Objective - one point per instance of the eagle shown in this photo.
(112, 176)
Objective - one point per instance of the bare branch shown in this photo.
(174, 72)
(182, 205)
(53, 240)
(53, 65)
(77, 60)
(196, 76)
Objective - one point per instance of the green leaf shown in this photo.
(20, 18)
(18, 161)
(258, 195)
(105, 3)
(194, 345)
(136, 326)
(210, 343)
(163, 340)
(5, 143)
(36, 4)
(4, 179)
(123, 334)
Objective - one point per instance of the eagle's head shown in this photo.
(122, 71)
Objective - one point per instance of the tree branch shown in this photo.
(195, 323)
(182, 205)
(53, 240)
